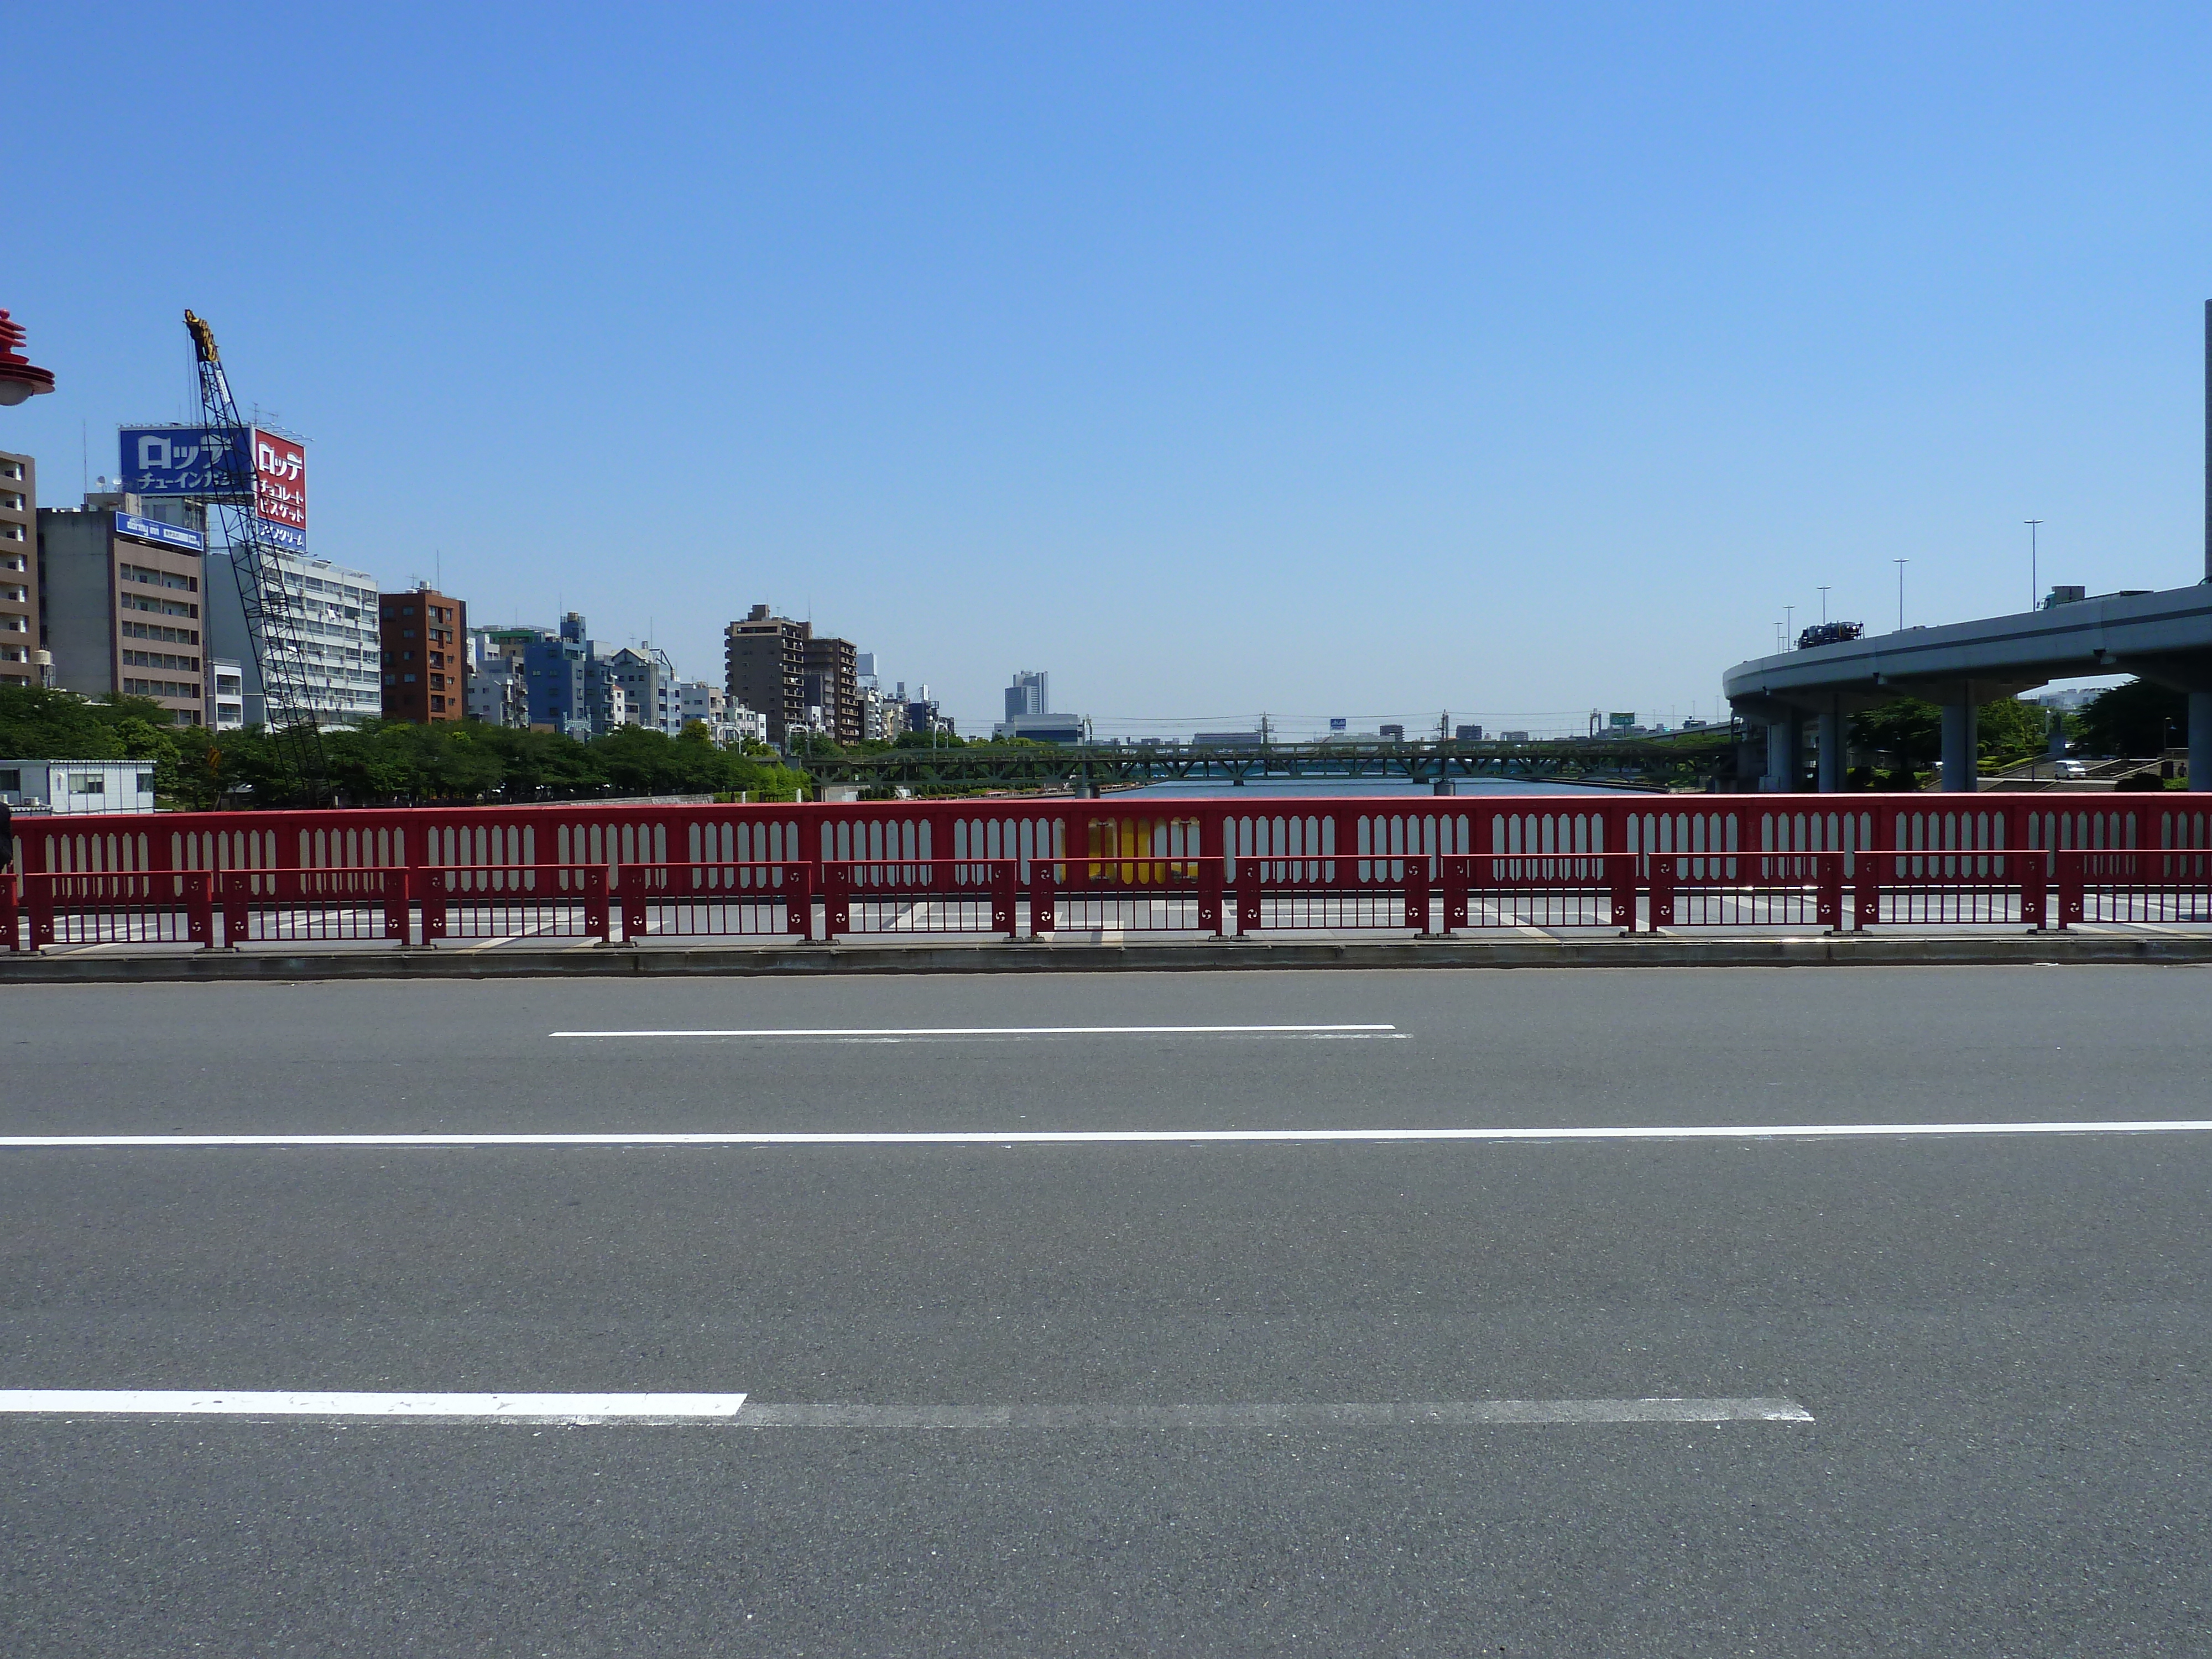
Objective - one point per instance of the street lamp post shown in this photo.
(1900, 564)
(1824, 604)
(2034, 576)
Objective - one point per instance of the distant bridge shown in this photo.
(1657, 762)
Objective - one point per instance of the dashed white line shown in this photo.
(994, 1031)
(218, 1402)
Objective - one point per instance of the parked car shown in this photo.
(2069, 769)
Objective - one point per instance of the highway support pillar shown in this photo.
(1960, 743)
(1832, 749)
(2199, 740)
(1785, 752)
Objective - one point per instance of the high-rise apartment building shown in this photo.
(425, 662)
(833, 665)
(121, 603)
(19, 570)
(764, 662)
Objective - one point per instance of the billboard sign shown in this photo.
(165, 535)
(178, 460)
(1620, 722)
(205, 461)
(280, 483)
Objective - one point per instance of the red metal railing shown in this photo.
(1578, 889)
(2151, 885)
(921, 895)
(1554, 861)
(1760, 890)
(511, 900)
(312, 906)
(716, 900)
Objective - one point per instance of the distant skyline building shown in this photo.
(646, 679)
(498, 687)
(425, 665)
(1030, 694)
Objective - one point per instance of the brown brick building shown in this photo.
(120, 603)
(423, 637)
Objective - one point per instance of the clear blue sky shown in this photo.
(1349, 359)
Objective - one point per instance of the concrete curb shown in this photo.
(1868, 950)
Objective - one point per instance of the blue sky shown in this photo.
(1367, 361)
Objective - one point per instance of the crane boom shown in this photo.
(290, 705)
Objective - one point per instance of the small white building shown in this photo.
(226, 695)
(68, 786)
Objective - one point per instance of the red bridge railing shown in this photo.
(1208, 866)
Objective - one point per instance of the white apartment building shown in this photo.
(334, 613)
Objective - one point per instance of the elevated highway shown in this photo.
(2164, 636)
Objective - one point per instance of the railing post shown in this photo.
(1828, 895)
(631, 881)
(230, 895)
(798, 900)
(9, 921)
(199, 912)
(1456, 899)
(1247, 877)
(1663, 874)
(397, 908)
(598, 913)
(836, 901)
(1620, 881)
(1209, 895)
(2072, 899)
(1005, 878)
(2034, 886)
(1866, 889)
(1042, 916)
(432, 892)
(1417, 893)
(39, 892)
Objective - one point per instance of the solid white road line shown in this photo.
(1117, 1137)
(215, 1403)
(998, 1031)
(732, 1408)
(1471, 1412)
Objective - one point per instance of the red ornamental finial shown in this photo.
(20, 378)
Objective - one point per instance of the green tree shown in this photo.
(2132, 721)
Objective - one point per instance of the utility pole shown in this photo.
(1900, 564)
(2034, 583)
(1790, 627)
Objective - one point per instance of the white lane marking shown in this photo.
(1257, 1416)
(216, 1402)
(996, 1030)
(1116, 1136)
(732, 1408)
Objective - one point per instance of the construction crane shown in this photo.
(272, 611)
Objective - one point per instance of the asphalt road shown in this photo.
(2002, 1340)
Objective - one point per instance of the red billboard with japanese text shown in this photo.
(280, 481)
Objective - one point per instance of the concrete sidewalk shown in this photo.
(113, 964)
